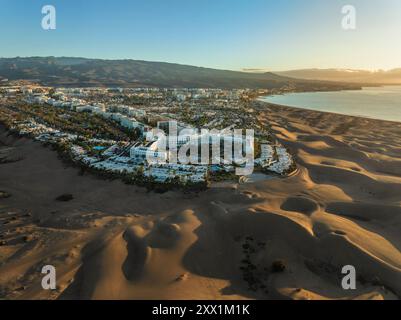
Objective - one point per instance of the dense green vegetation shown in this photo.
(82, 124)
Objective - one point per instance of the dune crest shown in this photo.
(267, 239)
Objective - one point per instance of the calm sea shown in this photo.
(378, 103)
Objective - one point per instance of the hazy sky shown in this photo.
(224, 34)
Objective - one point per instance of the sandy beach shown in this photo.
(116, 241)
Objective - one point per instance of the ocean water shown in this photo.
(378, 103)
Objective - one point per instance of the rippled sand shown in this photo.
(115, 241)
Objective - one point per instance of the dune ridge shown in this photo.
(114, 241)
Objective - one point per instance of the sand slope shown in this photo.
(113, 241)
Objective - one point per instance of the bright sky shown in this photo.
(225, 34)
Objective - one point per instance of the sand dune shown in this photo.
(114, 241)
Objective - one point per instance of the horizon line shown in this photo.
(244, 69)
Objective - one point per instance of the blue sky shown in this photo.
(224, 34)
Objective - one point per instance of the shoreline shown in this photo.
(305, 107)
(327, 112)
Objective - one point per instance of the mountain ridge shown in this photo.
(77, 71)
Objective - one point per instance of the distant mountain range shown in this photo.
(347, 75)
(65, 71)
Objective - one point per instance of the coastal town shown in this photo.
(116, 131)
(199, 158)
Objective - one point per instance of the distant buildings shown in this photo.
(151, 156)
